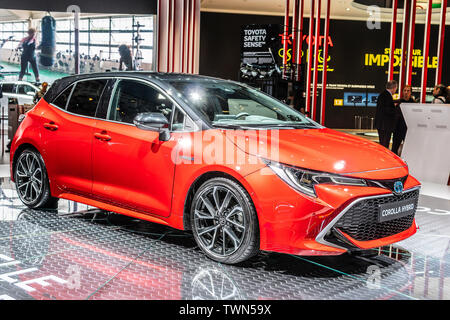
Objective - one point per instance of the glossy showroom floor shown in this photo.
(78, 252)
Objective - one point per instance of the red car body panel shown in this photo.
(114, 174)
(322, 150)
(129, 184)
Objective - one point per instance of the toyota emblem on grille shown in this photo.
(398, 187)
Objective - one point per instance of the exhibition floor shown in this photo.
(77, 252)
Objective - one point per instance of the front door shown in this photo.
(132, 168)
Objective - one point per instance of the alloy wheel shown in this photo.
(29, 177)
(219, 221)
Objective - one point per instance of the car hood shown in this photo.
(316, 149)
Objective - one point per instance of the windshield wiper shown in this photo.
(266, 126)
(230, 126)
(290, 125)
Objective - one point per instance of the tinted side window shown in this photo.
(23, 89)
(8, 88)
(61, 100)
(178, 120)
(85, 97)
(133, 97)
(181, 122)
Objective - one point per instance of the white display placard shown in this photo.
(427, 143)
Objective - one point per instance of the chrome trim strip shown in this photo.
(374, 170)
(321, 236)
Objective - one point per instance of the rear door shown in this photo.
(67, 135)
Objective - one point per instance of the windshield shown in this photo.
(229, 104)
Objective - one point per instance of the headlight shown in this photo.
(305, 180)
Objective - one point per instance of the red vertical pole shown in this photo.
(194, 23)
(174, 12)
(310, 56)
(169, 34)
(412, 29)
(405, 36)
(298, 50)
(188, 52)
(426, 50)
(441, 41)
(325, 64)
(316, 61)
(393, 33)
(183, 39)
(294, 37)
(158, 63)
(285, 38)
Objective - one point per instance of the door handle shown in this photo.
(51, 126)
(102, 136)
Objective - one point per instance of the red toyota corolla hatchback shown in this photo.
(240, 169)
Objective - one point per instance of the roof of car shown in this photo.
(62, 83)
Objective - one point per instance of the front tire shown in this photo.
(224, 221)
(32, 185)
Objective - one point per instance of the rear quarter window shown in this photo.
(85, 97)
(63, 97)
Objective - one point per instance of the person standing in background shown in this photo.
(291, 99)
(40, 93)
(302, 110)
(439, 94)
(125, 58)
(29, 45)
(385, 116)
(400, 127)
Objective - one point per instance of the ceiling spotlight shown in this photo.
(348, 9)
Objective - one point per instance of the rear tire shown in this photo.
(32, 185)
(224, 221)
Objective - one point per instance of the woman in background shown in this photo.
(29, 45)
(400, 127)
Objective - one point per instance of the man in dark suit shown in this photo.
(385, 117)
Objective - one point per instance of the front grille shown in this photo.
(361, 221)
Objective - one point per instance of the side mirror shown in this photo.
(31, 93)
(153, 121)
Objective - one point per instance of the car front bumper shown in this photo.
(293, 223)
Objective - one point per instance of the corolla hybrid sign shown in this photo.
(391, 211)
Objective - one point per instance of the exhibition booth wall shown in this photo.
(357, 65)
